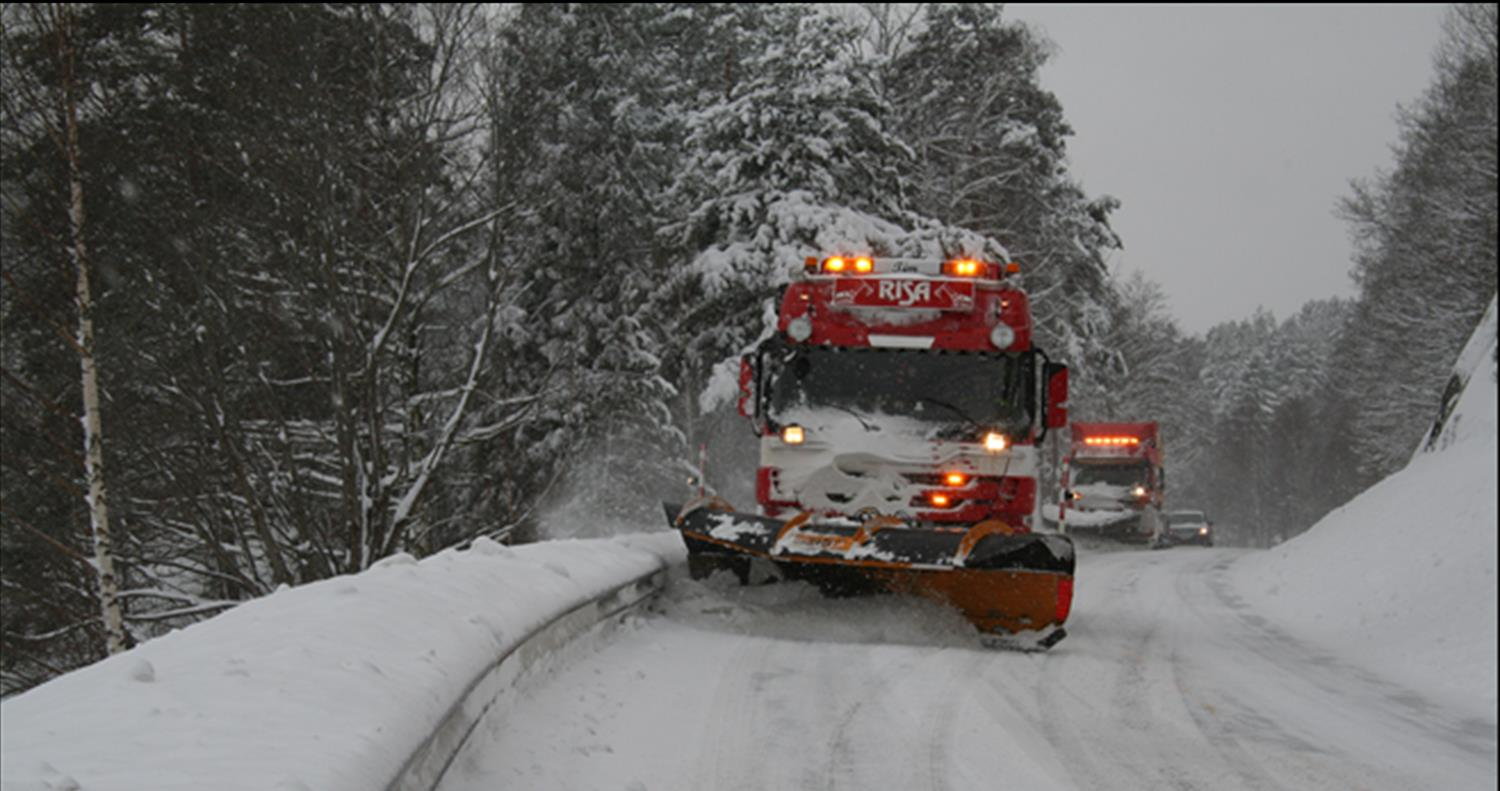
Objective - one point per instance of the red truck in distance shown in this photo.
(1113, 483)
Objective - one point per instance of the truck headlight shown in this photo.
(800, 328)
(995, 442)
(792, 435)
(1139, 491)
(1002, 336)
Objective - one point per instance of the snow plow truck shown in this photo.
(1113, 483)
(899, 407)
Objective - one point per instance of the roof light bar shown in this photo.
(1112, 441)
(839, 265)
(866, 265)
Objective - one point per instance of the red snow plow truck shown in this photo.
(1113, 483)
(899, 407)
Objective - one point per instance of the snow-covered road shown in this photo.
(1168, 681)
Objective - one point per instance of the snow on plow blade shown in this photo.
(1004, 583)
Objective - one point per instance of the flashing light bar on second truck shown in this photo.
(1112, 441)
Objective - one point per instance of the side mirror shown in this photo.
(1056, 377)
(746, 405)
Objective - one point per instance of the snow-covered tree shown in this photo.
(1426, 246)
(1152, 371)
(991, 157)
(584, 146)
(793, 159)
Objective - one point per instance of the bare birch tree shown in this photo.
(57, 23)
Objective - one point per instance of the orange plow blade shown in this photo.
(1004, 582)
(1005, 602)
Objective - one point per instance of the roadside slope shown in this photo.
(1403, 576)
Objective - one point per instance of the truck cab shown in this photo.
(902, 387)
(1113, 483)
(898, 408)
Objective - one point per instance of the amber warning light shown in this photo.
(964, 268)
(840, 265)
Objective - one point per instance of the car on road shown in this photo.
(1190, 527)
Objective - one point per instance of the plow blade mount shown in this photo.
(1004, 582)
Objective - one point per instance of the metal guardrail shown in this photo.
(425, 767)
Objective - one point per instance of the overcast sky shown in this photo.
(1229, 133)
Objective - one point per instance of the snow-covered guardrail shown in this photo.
(360, 682)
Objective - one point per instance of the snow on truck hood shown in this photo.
(1077, 518)
(876, 433)
(1103, 491)
(847, 463)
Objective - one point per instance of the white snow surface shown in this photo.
(1403, 576)
(322, 687)
(1165, 682)
(1359, 655)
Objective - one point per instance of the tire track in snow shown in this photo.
(1205, 706)
(724, 759)
(841, 758)
(1334, 676)
(1118, 733)
(858, 682)
(1348, 699)
(1071, 717)
(941, 719)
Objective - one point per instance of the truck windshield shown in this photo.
(1108, 474)
(965, 389)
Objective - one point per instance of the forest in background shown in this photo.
(368, 279)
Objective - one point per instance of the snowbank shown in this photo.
(332, 685)
(1403, 576)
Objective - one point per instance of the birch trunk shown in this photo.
(93, 437)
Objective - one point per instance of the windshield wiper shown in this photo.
(944, 404)
(861, 420)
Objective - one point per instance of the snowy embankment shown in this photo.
(333, 685)
(1403, 576)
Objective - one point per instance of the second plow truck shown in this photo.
(899, 407)
(1113, 483)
